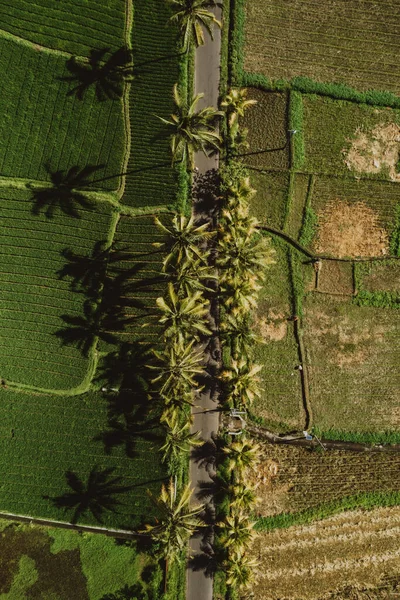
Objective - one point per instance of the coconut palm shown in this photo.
(192, 17)
(241, 455)
(176, 522)
(237, 294)
(236, 330)
(236, 103)
(183, 318)
(189, 277)
(240, 570)
(237, 532)
(242, 252)
(241, 381)
(184, 239)
(179, 364)
(242, 497)
(239, 190)
(178, 438)
(191, 130)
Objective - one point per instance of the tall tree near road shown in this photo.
(192, 17)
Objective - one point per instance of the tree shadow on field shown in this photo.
(110, 289)
(96, 496)
(133, 411)
(67, 192)
(107, 72)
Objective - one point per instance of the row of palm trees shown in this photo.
(243, 257)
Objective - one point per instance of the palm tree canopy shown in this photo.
(192, 17)
(191, 130)
(176, 520)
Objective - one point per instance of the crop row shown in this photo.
(75, 26)
(362, 59)
(42, 437)
(41, 125)
(306, 479)
(33, 297)
(152, 181)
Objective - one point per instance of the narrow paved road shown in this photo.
(207, 65)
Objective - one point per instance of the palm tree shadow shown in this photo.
(66, 193)
(107, 73)
(96, 496)
(206, 191)
(132, 412)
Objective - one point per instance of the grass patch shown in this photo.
(350, 46)
(155, 52)
(268, 205)
(72, 26)
(56, 563)
(295, 126)
(281, 397)
(353, 355)
(327, 146)
(294, 481)
(268, 136)
(301, 183)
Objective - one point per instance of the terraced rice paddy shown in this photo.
(59, 25)
(67, 330)
(347, 556)
(44, 436)
(344, 41)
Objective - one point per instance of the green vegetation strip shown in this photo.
(372, 437)
(365, 501)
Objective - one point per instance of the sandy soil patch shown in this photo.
(272, 327)
(350, 230)
(376, 150)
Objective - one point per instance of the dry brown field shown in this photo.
(347, 41)
(293, 479)
(355, 555)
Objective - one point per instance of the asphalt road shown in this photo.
(207, 66)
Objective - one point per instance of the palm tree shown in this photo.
(191, 16)
(236, 330)
(175, 523)
(239, 295)
(242, 497)
(191, 130)
(183, 318)
(178, 437)
(240, 570)
(184, 240)
(237, 532)
(189, 277)
(239, 190)
(241, 381)
(236, 103)
(179, 364)
(241, 455)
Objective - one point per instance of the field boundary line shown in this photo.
(117, 533)
(287, 238)
(38, 47)
(125, 101)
